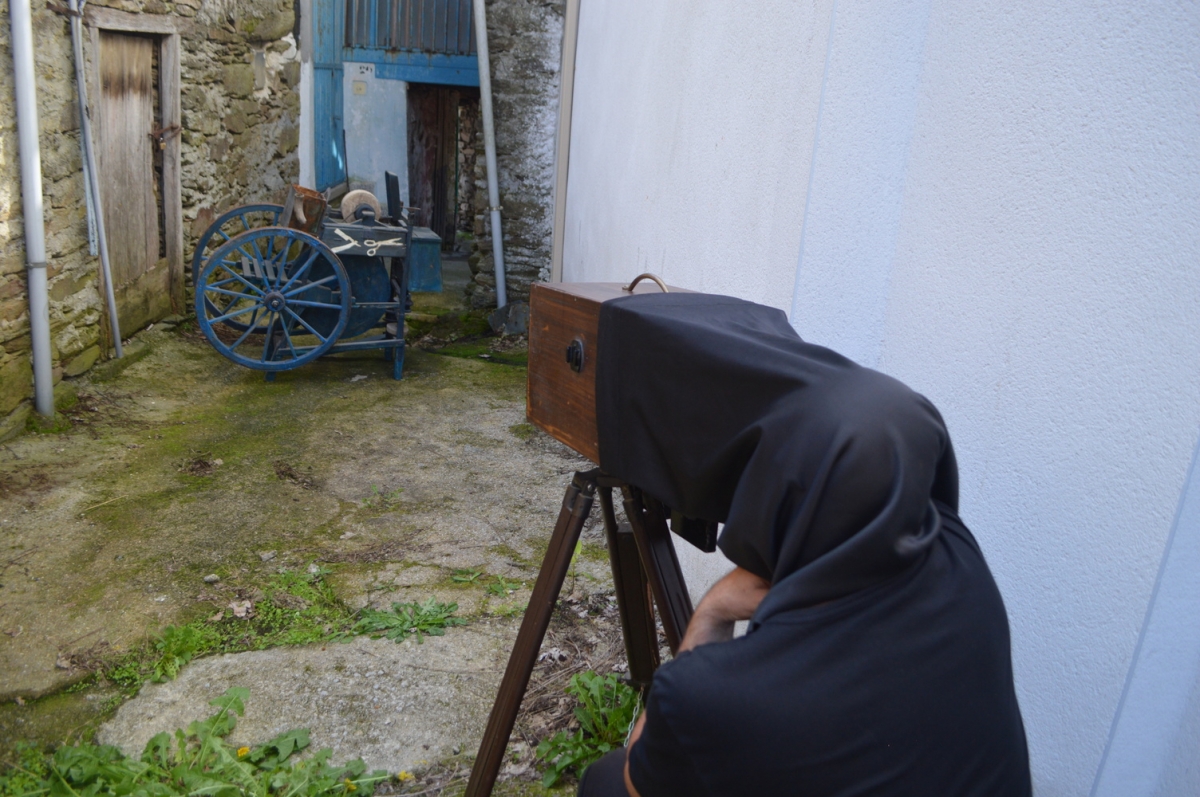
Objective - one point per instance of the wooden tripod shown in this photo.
(643, 565)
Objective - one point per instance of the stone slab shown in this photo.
(395, 705)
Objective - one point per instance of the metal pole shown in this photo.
(92, 184)
(489, 148)
(31, 201)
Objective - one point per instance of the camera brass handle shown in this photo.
(646, 276)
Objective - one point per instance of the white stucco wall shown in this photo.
(376, 123)
(690, 147)
(1001, 211)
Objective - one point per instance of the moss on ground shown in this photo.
(178, 465)
(522, 431)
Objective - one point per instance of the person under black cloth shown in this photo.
(877, 660)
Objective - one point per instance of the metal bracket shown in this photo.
(66, 12)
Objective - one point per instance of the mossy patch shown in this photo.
(450, 326)
(522, 431)
(482, 350)
(593, 552)
(512, 554)
(40, 424)
(466, 335)
(63, 718)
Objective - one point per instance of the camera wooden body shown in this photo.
(564, 322)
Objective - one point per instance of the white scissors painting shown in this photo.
(372, 246)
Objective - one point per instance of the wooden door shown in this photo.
(128, 180)
(432, 155)
(330, 138)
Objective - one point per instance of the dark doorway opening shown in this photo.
(442, 127)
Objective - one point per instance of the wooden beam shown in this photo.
(172, 188)
(562, 147)
(113, 19)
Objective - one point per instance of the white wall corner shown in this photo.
(1152, 746)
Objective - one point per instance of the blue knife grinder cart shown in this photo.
(273, 295)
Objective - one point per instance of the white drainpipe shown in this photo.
(31, 200)
(489, 148)
(90, 172)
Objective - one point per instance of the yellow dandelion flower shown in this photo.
(350, 785)
(404, 776)
(243, 752)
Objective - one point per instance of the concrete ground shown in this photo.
(185, 466)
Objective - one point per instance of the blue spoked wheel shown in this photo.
(225, 227)
(288, 293)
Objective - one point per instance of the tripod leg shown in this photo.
(658, 558)
(577, 505)
(633, 596)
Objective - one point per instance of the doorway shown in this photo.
(439, 163)
(135, 107)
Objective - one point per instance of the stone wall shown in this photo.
(240, 71)
(470, 152)
(525, 40)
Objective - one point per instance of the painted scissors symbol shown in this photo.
(375, 245)
(372, 246)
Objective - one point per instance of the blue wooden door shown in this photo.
(328, 37)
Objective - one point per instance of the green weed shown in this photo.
(503, 587)
(196, 761)
(177, 645)
(430, 617)
(466, 576)
(606, 711)
(379, 499)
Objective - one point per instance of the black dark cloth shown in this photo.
(879, 661)
(606, 777)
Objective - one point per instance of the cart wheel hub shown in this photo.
(275, 301)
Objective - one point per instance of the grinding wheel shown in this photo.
(358, 199)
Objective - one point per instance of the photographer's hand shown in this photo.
(735, 597)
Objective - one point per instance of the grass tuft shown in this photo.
(197, 760)
(296, 608)
(404, 619)
(606, 712)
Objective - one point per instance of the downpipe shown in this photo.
(20, 17)
(90, 173)
(489, 147)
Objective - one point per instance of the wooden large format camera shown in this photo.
(564, 322)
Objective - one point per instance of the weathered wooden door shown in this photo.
(129, 183)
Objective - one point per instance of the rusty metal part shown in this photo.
(304, 209)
